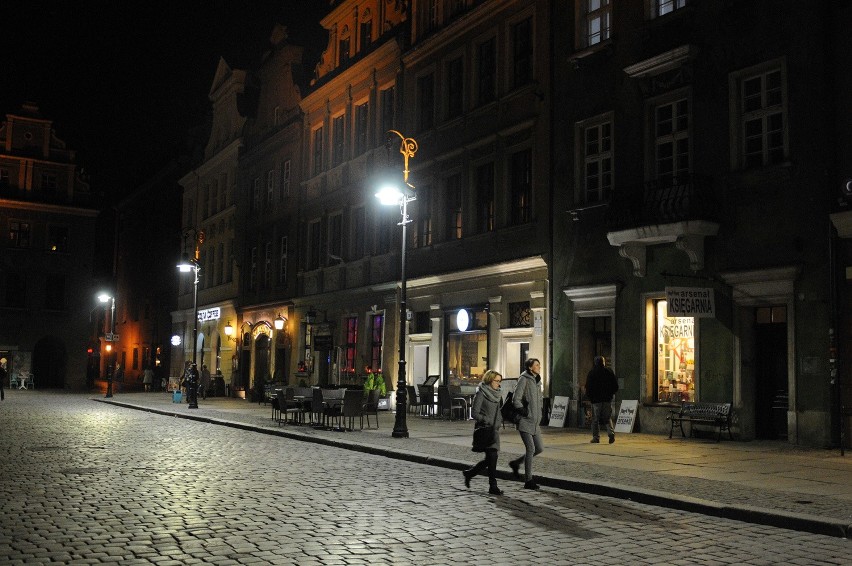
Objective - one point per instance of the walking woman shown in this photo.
(486, 411)
(528, 390)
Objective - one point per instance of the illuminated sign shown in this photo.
(690, 301)
(209, 314)
(462, 320)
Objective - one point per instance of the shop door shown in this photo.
(771, 392)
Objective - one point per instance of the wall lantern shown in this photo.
(462, 320)
(176, 340)
(279, 322)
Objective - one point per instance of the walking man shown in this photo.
(601, 385)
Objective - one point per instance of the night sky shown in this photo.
(124, 81)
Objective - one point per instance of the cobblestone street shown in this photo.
(90, 483)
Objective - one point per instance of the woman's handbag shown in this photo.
(483, 437)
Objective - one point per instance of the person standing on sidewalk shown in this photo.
(486, 410)
(601, 385)
(527, 399)
(205, 381)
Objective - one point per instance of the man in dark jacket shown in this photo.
(601, 385)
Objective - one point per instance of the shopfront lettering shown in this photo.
(690, 302)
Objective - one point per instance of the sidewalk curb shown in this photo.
(747, 514)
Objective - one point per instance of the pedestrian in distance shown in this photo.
(205, 381)
(601, 386)
(486, 410)
(527, 400)
(147, 378)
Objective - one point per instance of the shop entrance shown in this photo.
(770, 355)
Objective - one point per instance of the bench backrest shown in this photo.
(710, 410)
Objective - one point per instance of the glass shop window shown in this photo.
(467, 349)
(675, 356)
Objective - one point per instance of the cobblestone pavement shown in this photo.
(772, 483)
(92, 483)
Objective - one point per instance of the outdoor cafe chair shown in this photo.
(353, 406)
(317, 406)
(371, 407)
(426, 394)
(450, 405)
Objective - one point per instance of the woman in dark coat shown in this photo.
(486, 411)
(528, 392)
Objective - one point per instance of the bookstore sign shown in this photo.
(695, 302)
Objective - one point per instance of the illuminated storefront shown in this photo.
(674, 362)
(467, 345)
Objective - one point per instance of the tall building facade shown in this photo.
(691, 243)
(208, 228)
(47, 297)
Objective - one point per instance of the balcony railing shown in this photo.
(662, 201)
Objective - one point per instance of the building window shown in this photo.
(521, 190)
(359, 246)
(314, 245)
(257, 195)
(455, 87)
(54, 292)
(455, 208)
(344, 46)
(522, 52)
(596, 20)
(762, 115)
(48, 183)
(519, 315)
(221, 267)
(423, 234)
(16, 291)
(19, 234)
(229, 274)
(57, 239)
(267, 265)
(485, 208)
(253, 268)
(675, 354)
(377, 327)
(211, 272)
(335, 239)
(425, 102)
(285, 180)
(316, 166)
(270, 187)
(282, 261)
(467, 350)
(486, 71)
(387, 97)
(362, 125)
(351, 347)
(205, 200)
(663, 7)
(366, 35)
(135, 362)
(224, 190)
(4, 177)
(276, 116)
(337, 139)
(385, 223)
(671, 141)
(595, 139)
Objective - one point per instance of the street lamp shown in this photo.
(104, 298)
(186, 265)
(390, 195)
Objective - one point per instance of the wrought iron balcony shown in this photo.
(662, 201)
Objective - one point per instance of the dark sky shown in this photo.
(125, 80)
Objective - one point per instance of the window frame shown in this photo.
(739, 116)
(282, 260)
(516, 207)
(317, 150)
(486, 208)
(521, 61)
(583, 158)
(425, 101)
(454, 86)
(653, 140)
(585, 15)
(486, 71)
(454, 201)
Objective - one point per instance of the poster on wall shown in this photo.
(559, 411)
(626, 416)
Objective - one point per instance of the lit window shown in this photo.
(674, 363)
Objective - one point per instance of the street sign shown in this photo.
(110, 337)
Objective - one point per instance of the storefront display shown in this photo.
(675, 363)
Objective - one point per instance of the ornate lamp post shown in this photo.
(186, 265)
(107, 298)
(401, 196)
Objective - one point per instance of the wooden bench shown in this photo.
(714, 414)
